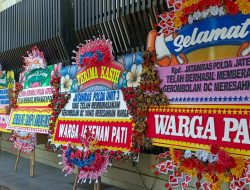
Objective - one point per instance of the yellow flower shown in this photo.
(189, 3)
(244, 6)
(177, 22)
(92, 146)
(216, 186)
(10, 79)
(224, 178)
(240, 164)
(208, 177)
(178, 14)
(188, 171)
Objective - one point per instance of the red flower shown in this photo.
(118, 158)
(119, 152)
(137, 150)
(187, 11)
(214, 148)
(194, 7)
(226, 161)
(184, 20)
(214, 2)
(156, 172)
(87, 154)
(189, 163)
(201, 5)
(51, 131)
(211, 168)
(111, 152)
(105, 149)
(78, 154)
(72, 155)
(231, 7)
(200, 166)
(178, 154)
(98, 151)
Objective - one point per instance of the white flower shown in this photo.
(221, 11)
(66, 83)
(190, 19)
(202, 155)
(205, 13)
(197, 15)
(212, 158)
(133, 77)
(214, 10)
(188, 154)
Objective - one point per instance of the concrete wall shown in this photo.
(122, 175)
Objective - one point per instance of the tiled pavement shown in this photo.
(46, 177)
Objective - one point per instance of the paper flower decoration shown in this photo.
(215, 167)
(23, 141)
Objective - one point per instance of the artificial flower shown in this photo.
(56, 70)
(204, 13)
(197, 15)
(187, 154)
(214, 10)
(66, 83)
(177, 22)
(78, 154)
(244, 6)
(221, 11)
(189, 163)
(240, 165)
(214, 149)
(212, 158)
(190, 19)
(225, 160)
(202, 155)
(200, 167)
(10, 79)
(231, 7)
(133, 77)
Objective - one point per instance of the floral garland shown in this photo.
(23, 141)
(216, 167)
(58, 102)
(139, 99)
(91, 162)
(94, 51)
(13, 95)
(193, 10)
(188, 11)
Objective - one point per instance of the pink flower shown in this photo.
(56, 70)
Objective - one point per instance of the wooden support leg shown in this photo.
(17, 160)
(32, 163)
(97, 186)
(76, 178)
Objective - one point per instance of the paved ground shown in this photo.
(47, 178)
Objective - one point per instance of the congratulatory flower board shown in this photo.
(33, 113)
(6, 82)
(96, 102)
(203, 50)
